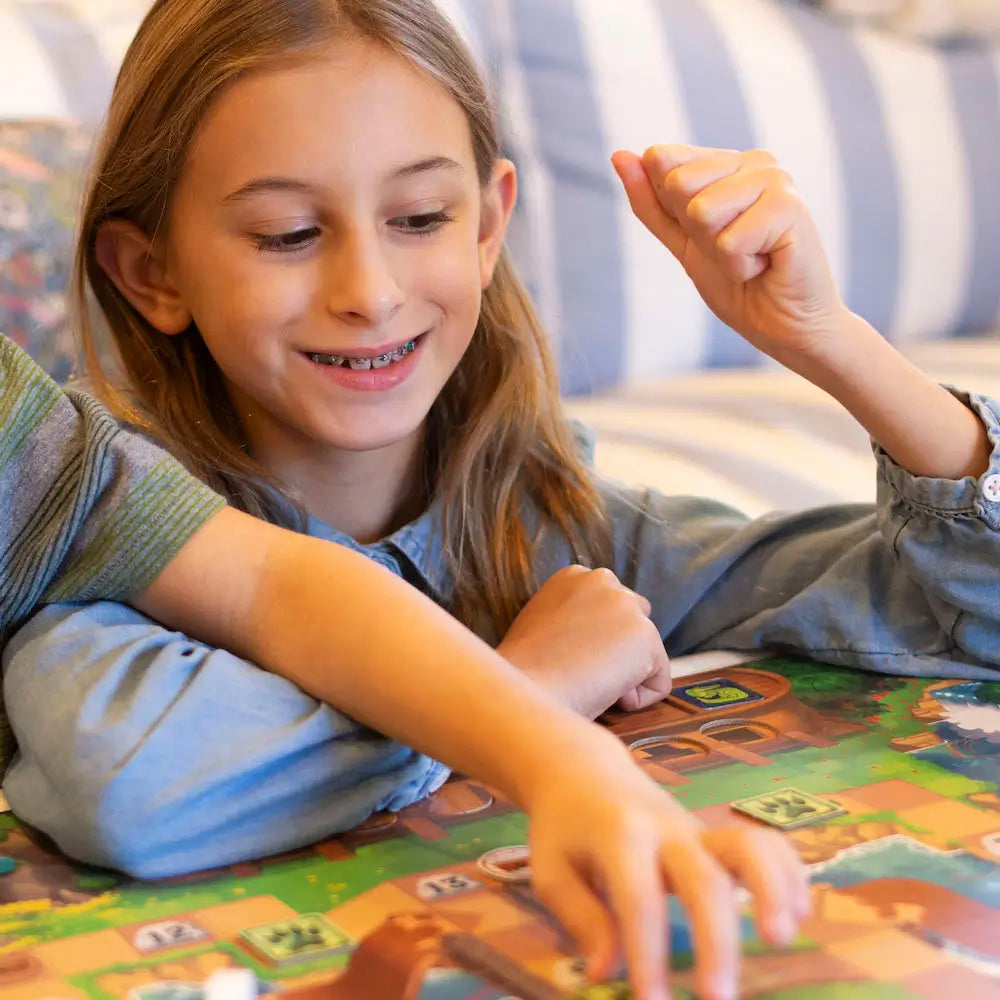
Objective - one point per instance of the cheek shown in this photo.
(454, 283)
(238, 303)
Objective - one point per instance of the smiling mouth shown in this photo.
(360, 364)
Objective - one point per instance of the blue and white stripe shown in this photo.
(895, 144)
(59, 58)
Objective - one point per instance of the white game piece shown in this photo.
(231, 984)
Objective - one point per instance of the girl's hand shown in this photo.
(746, 240)
(588, 640)
(608, 845)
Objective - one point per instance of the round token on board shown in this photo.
(507, 864)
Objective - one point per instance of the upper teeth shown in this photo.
(364, 364)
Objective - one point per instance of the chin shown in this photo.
(372, 438)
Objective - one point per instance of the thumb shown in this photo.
(654, 688)
(645, 204)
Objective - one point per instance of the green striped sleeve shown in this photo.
(27, 395)
(92, 510)
(147, 508)
(88, 509)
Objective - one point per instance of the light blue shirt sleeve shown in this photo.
(144, 751)
(910, 586)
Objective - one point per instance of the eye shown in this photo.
(298, 239)
(421, 225)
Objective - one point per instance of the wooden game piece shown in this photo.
(231, 984)
(481, 959)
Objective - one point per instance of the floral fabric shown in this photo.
(42, 167)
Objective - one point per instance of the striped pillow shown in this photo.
(894, 144)
(59, 60)
(946, 19)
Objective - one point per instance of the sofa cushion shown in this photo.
(757, 440)
(59, 60)
(946, 19)
(895, 145)
(41, 170)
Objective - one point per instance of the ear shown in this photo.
(499, 199)
(132, 261)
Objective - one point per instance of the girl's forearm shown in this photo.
(352, 634)
(919, 423)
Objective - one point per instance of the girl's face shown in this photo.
(330, 238)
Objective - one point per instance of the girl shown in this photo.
(93, 510)
(294, 232)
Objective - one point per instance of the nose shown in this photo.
(364, 290)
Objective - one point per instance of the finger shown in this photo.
(695, 170)
(678, 178)
(676, 188)
(801, 878)
(709, 895)
(665, 157)
(717, 206)
(642, 697)
(767, 865)
(632, 701)
(638, 897)
(660, 682)
(646, 205)
(584, 915)
(758, 237)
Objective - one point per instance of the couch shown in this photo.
(895, 144)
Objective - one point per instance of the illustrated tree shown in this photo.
(854, 695)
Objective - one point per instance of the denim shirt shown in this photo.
(143, 750)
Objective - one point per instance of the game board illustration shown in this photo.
(888, 787)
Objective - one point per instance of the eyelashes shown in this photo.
(298, 240)
(422, 225)
(287, 242)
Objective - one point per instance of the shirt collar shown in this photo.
(420, 542)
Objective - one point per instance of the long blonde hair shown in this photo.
(496, 438)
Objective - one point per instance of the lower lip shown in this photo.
(371, 379)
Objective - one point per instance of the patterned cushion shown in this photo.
(41, 169)
(895, 145)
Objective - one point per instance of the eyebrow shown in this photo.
(300, 187)
(424, 166)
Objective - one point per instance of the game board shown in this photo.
(423, 906)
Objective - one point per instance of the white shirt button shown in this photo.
(991, 489)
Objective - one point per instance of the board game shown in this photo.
(889, 788)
